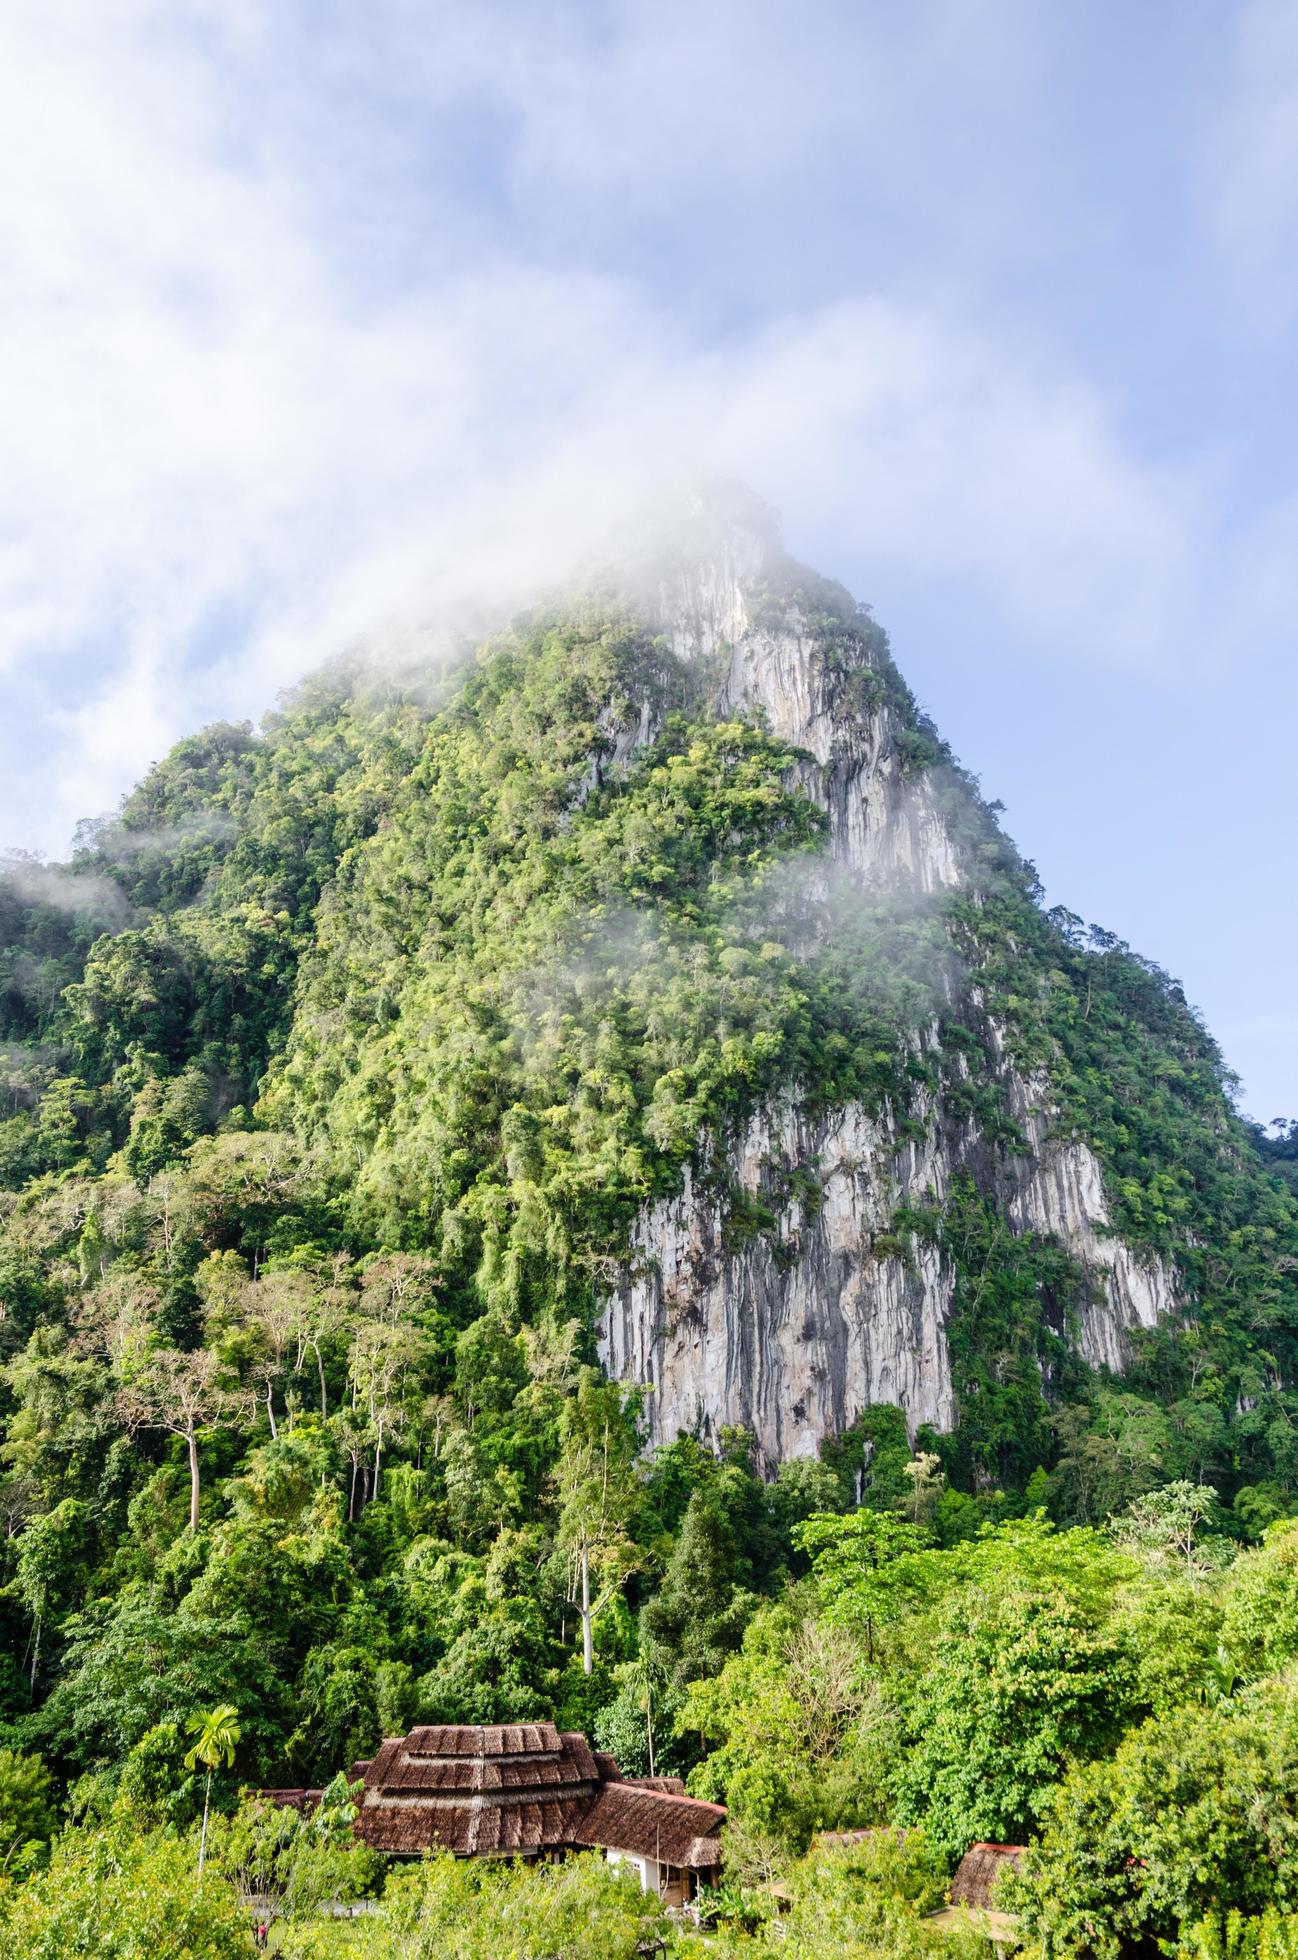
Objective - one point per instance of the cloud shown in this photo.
(265, 389)
(36, 883)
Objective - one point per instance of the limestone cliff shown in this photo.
(792, 1332)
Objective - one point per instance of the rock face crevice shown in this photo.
(794, 1330)
(793, 1333)
(885, 825)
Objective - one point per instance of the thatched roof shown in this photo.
(979, 1871)
(507, 1787)
(292, 1799)
(676, 1830)
(844, 1840)
(523, 1787)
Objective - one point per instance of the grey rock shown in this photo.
(795, 1332)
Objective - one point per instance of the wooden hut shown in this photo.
(671, 1840)
(979, 1872)
(974, 1896)
(526, 1789)
(516, 1788)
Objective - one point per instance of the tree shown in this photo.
(1260, 1602)
(26, 1816)
(868, 1568)
(61, 1121)
(133, 1895)
(117, 1318)
(927, 1483)
(863, 1899)
(166, 1117)
(49, 1551)
(641, 1678)
(848, 1556)
(278, 1314)
(1000, 1710)
(135, 1661)
(446, 1908)
(331, 1307)
(216, 1738)
(1167, 1524)
(698, 1615)
(180, 1392)
(595, 1479)
(384, 1355)
(295, 1862)
(1193, 1821)
(338, 1696)
(153, 1784)
(802, 1736)
(60, 1395)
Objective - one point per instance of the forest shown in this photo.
(335, 1070)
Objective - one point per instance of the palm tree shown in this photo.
(644, 1674)
(217, 1734)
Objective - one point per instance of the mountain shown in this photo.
(578, 1182)
(661, 968)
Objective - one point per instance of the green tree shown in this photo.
(595, 1477)
(1193, 1819)
(849, 1556)
(999, 1712)
(294, 1862)
(1169, 1524)
(339, 1703)
(26, 1815)
(216, 1737)
(153, 1783)
(698, 1614)
(802, 1736)
(1260, 1604)
(133, 1895)
(867, 1899)
(50, 1552)
(135, 1661)
(460, 1909)
(630, 1726)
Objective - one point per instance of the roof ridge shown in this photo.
(672, 1796)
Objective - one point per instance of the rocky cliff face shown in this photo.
(793, 1332)
(884, 825)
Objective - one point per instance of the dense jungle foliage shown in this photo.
(336, 1068)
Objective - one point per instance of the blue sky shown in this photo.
(319, 318)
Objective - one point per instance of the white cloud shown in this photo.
(204, 418)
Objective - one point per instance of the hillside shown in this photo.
(671, 975)
(642, 1039)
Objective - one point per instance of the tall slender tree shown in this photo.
(597, 1496)
(216, 1739)
(182, 1393)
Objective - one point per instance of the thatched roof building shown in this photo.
(512, 1788)
(973, 1906)
(526, 1789)
(865, 1834)
(979, 1872)
(671, 1830)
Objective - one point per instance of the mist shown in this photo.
(321, 328)
(270, 445)
(76, 892)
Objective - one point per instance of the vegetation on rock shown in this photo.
(336, 1070)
